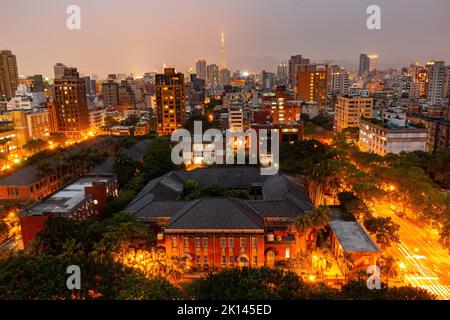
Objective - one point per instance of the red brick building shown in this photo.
(220, 232)
(79, 200)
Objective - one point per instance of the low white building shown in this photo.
(381, 137)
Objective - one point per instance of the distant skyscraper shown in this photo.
(224, 77)
(364, 65)
(170, 101)
(212, 74)
(282, 74)
(223, 53)
(59, 70)
(71, 110)
(200, 69)
(312, 84)
(294, 63)
(9, 75)
(436, 82)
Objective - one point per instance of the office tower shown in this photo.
(436, 82)
(223, 53)
(282, 74)
(9, 75)
(110, 92)
(200, 69)
(59, 70)
(71, 111)
(364, 65)
(294, 63)
(312, 84)
(224, 77)
(170, 101)
(349, 110)
(212, 75)
(338, 81)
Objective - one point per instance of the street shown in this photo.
(422, 259)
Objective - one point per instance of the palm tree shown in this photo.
(320, 216)
(303, 222)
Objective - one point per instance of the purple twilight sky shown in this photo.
(140, 35)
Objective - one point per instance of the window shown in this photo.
(197, 242)
(255, 259)
(186, 242)
(231, 259)
(288, 252)
(231, 242)
(205, 243)
(243, 242)
(254, 242)
(205, 260)
(174, 241)
(223, 242)
(224, 260)
(197, 260)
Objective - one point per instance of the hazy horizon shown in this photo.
(141, 36)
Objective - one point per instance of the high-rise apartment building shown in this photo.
(233, 102)
(71, 110)
(126, 95)
(58, 68)
(312, 84)
(9, 75)
(110, 92)
(349, 110)
(436, 82)
(338, 81)
(294, 63)
(200, 69)
(170, 101)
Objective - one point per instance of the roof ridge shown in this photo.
(183, 210)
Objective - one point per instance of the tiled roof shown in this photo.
(213, 213)
(283, 197)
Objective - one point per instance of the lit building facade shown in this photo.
(170, 101)
(349, 110)
(312, 84)
(72, 115)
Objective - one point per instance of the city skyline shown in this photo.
(256, 39)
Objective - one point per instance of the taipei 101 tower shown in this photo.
(223, 53)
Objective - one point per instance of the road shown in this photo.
(425, 263)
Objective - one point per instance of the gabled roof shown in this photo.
(213, 214)
(283, 196)
(352, 237)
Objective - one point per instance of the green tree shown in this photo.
(158, 160)
(125, 168)
(35, 146)
(256, 284)
(123, 231)
(384, 230)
